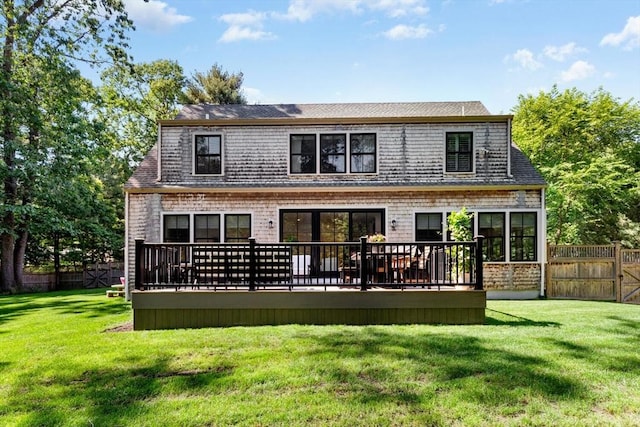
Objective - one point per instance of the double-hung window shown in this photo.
(208, 155)
(237, 227)
(303, 154)
(429, 227)
(492, 226)
(363, 152)
(459, 155)
(176, 229)
(207, 228)
(332, 153)
(523, 236)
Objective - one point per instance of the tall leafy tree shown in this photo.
(216, 86)
(587, 146)
(44, 127)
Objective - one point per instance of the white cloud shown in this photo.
(154, 15)
(560, 53)
(579, 70)
(400, 32)
(254, 96)
(304, 10)
(244, 26)
(629, 37)
(524, 59)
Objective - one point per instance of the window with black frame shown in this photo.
(492, 226)
(208, 154)
(363, 152)
(176, 229)
(206, 228)
(237, 228)
(523, 236)
(302, 152)
(333, 153)
(429, 227)
(459, 155)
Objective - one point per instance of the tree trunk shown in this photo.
(7, 281)
(18, 258)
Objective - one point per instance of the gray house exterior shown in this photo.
(335, 172)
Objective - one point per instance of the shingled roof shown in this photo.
(332, 111)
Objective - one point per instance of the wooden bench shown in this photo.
(273, 265)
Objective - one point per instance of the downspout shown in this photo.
(542, 239)
(159, 177)
(127, 258)
(509, 174)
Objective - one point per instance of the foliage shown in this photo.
(216, 86)
(544, 363)
(588, 149)
(459, 224)
(47, 135)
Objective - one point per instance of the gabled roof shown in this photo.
(332, 111)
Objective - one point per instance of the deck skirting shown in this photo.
(198, 309)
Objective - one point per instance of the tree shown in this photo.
(588, 149)
(214, 87)
(45, 131)
(133, 99)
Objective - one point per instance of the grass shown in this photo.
(561, 363)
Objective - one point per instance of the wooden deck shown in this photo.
(168, 309)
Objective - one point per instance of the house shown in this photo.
(335, 172)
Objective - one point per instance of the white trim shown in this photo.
(347, 157)
(127, 257)
(192, 228)
(542, 240)
(509, 174)
(472, 131)
(193, 151)
(159, 155)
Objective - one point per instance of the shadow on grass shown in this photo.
(447, 364)
(495, 317)
(67, 302)
(113, 396)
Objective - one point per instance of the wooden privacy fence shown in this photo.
(92, 276)
(595, 272)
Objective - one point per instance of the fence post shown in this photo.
(617, 269)
(252, 263)
(139, 263)
(363, 263)
(479, 275)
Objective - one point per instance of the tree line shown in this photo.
(68, 145)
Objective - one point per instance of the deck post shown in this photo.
(252, 264)
(363, 263)
(479, 276)
(139, 263)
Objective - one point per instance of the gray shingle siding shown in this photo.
(410, 154)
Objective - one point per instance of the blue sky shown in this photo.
(318, 51)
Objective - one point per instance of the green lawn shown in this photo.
(541, 363)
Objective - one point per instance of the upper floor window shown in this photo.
(459, 152)
(363, 152)
(491, 226)
(523, 236)
(334, 154)
(208, 155)
(429, 227)
(303, 154)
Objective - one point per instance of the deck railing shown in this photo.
(360, 265)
